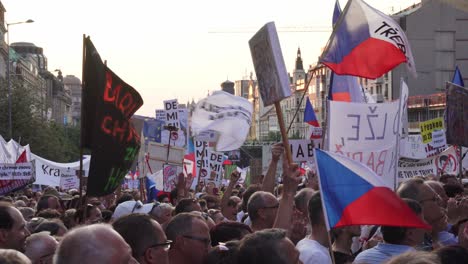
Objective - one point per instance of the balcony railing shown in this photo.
(430, 100)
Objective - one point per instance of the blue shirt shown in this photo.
(381, 253)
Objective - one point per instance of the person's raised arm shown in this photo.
(269, 181)
(235, 175)
(290, 181)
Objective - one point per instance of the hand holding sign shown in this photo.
(276, 151)
(290, 177)
(235, 176)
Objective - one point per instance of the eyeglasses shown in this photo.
(137, 205)
(166, 245)
(47, 256)
(435, 199)
(205, 241)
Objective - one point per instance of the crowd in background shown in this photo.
(265, 222)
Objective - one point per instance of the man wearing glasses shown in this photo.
(146, 238)
(191, 239)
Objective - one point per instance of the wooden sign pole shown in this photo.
(284, 134)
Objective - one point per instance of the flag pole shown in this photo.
(80, 173)
(284, 133)
(330, 248)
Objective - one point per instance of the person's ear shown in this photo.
(148, 255)
(3, 235)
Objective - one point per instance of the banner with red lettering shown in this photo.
(108, 104)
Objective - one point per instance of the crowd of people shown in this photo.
(265, 222)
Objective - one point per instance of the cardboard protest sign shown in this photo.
(457, 115)
(272, 77)
(170, 173)
(302, 149)
(179, 138)
(202, 156)
(429, 126)
(216, 167)
(158, 156)
(172, 114)
(106, 128)
(69, 179)
(234, 155)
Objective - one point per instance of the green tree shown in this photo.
(46, 139)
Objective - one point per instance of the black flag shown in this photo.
(108, 104)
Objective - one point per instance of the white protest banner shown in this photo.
(49, 172)
(444, 163)
(366, 133)
(216, 167)
(69, 179)
(170, 173)
(272, 77)
(15, 171)
(202, 156)
(226, 114)
(408, 168)
(362, 127)
(172, 114)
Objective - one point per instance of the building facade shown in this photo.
(73, 84)
(438, 36)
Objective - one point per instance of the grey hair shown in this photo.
(158, 210)
(410, 189)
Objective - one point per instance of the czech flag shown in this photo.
(309, 115)
(367, 43)
(352, 194)
(344, 88)
(457, 78)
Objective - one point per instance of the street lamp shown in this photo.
(10, 126)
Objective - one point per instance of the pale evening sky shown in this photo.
(167, 49)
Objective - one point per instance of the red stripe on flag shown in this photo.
(373, 66)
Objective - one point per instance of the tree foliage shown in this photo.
(46, 139)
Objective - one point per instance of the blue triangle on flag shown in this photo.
(457, 78)
(339, 185)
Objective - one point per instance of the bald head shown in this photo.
(93, 244)
(40, 246)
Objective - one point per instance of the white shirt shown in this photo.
(311, 251)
